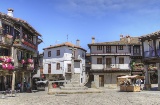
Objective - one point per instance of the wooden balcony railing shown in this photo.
(6, 39)
(111, 53)
(136, 54)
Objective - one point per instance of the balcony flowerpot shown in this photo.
(7, 60)
(16, 41)
(4, 66)
(30, 60)
(23, 61)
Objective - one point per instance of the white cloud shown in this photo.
(103, 7)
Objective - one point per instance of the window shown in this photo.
(99, 60)
(4, 52)
(108, 49)
(136, 49)
(121, 60)
(8, 29)
(58, 66)
(99, 47)
(49, 53)
(82, 54)
(120, 47)
(58, 52)
(49, 68)
(69, 67)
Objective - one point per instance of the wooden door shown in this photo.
(101, 80)
(108, 62)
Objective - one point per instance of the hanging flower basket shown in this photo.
(9, 36)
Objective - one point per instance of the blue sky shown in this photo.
(83, 19)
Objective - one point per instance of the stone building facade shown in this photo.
(112, 59)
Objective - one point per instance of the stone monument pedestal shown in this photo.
(73, 84)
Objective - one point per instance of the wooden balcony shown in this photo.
(148, 54)
(111, 53)
(136, 54)
(25, 44)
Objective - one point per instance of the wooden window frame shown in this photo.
(108, 49)
(121, 60)
(69, 67)
(99, 47)
(58, 66)
(99, 60)
(49, 68)
(58, 52)
(136, 49)
(49, 53)
(108, 61)
(120, 47)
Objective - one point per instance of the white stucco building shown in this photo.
(57, 62)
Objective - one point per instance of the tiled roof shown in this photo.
(5, 16)
(157, 33)
(64, 44)
(88, 54)
(123, 41)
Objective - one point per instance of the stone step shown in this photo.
(73, 88)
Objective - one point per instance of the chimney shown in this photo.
(128, 39)
(78, 42)
(121, 36)
(10, 12)
(93, 40)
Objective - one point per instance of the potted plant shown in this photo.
(16, 41)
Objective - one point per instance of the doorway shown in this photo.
(101, 80)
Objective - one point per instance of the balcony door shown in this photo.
(108, 62)
(108, 49)
(136, 50)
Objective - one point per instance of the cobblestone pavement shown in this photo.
(109, 97)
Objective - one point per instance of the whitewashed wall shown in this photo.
(64, 59)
